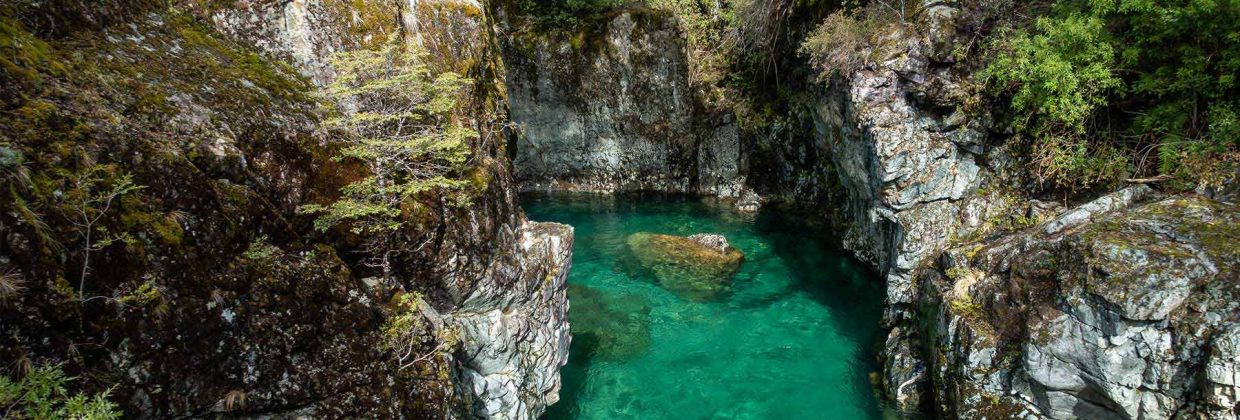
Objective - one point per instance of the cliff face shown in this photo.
(1114, 309)
(915, 167)
(611, 109)
(1124, 307)
(217, 295)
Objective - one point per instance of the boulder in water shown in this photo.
(698, 267)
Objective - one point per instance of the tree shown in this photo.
(399, 120)
(87, 201)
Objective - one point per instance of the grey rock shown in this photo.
(1114, 315)
(615, 112)
(515, 332)
(911, 176)
(713, 241)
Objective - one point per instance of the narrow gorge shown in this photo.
(619, 209)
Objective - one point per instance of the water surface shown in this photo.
(793, 340)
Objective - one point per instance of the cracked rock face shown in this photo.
(911, 172)
(1112, 310)
(612, 110)
(514, 327)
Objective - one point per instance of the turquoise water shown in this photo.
(794, 339)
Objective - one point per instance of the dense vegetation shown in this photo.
(151, 169)
(42, 394)
(1109, 88)
(1099, 92)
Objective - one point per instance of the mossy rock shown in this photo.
(699, 267)
(610, 327)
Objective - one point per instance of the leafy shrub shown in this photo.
(848, 38)
(1058, 73)
(407, 334)
(42, 394)
(1108, 88)
(838, 46)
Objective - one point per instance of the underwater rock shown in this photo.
(611, 327)
(699, 267)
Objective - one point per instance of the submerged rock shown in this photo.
(699, 267)
(610, 327)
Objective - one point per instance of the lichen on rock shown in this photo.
(1109, 311)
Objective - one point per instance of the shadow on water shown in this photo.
(573, 378)
(827, 274)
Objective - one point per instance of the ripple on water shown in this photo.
(794, 338)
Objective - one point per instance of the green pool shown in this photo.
(794, 338)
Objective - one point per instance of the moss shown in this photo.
(369, 23)
(146, 294)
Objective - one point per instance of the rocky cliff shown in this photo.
(915, 167)
(1114, 309)
(609, 108)
(1124, 307)
(210, 292)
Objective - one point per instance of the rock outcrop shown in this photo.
(611, 109)
(514, 327)
(913, 164)
(511, 315)
(1115, 309)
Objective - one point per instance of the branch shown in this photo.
(1151, 180)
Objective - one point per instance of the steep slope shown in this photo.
(205, 290)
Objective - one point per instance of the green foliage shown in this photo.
(710, 35)
(847, 38)
(404, 325)
(398, 120)
(407, 334)
(566, 14)
(403, 122)
(1059, 72)
(92, 193)
(593, 5)
(148, 294)
(260, 250)
(1100, 86)
(43, 394)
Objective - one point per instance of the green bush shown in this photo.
(42, 394)
(848, 38)
(1112, 88)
